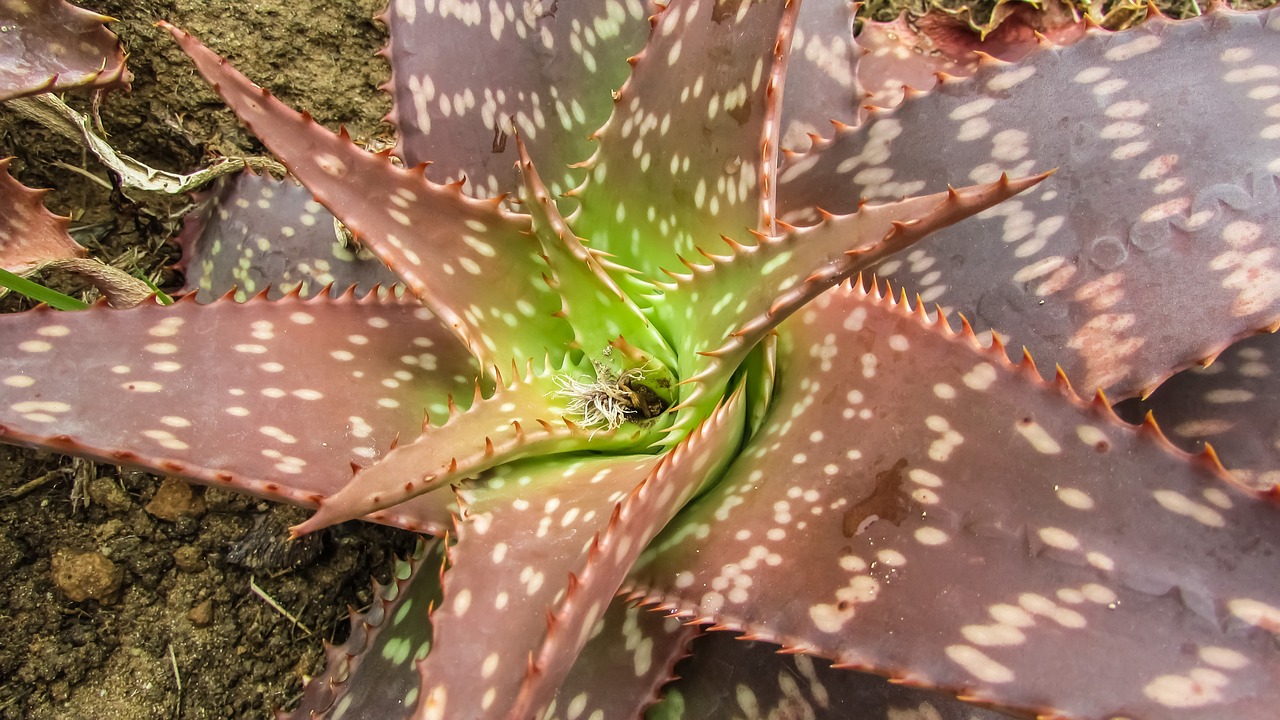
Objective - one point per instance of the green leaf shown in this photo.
(52, 298)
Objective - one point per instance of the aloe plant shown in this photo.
(633, 359)
(52, 46)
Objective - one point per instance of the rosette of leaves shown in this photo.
(630, 358)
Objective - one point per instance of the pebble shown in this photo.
(188, 558)
(202, 615)
(86, 575)
(106, 492)
(176, 499)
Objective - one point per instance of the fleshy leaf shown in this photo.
(689, 151)
(822, 82)
(910, 51)
(541, 549)
(29, 234)
(631, 654)
(52, 46)
(440, 242)
(188, 387)
(522, 533)
(252, 233)
(597, 309)
(1144, 189)
(969, 531)
(758, 286)
(1233, 404)
(761, 368)
(645, 511)
(730, 676)
(372, 674)
(545, 67)
(524, 417)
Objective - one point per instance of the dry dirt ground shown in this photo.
(173, 627)
(177, 632)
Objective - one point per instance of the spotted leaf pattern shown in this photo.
(251, 233)
(638, 518)
(631, 652)
(509, 583)
(732, 676)
(906, 55)
(972, 527)
(821, 74)
(29, 234)
(188, 387)
(688, 152)
(373, 669)
(592, 516)
(796, 267)
(1144, 189)
(521, 418)
(630, 655)
(1232, 404)
(437, 240)
(587, 290)
(544, 68)
(53, 46)
(833, 472)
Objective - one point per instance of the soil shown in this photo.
(166, 622)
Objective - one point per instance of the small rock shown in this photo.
(202, 614)
(176, 499)
(107, 493)
(60, 691)
(86, 575)
(188, 558)
(109, 530)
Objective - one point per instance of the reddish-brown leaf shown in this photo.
(1234, 404)
(542, 547)
(1145, 190)
(252, 233)
(544, 67)
(440, 242)
(971, 529)
(729, 676)
(52, 46)
(522, 534)
(29, 234)
(247, 396)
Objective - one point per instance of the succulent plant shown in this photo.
(51, 46)
(629, 358)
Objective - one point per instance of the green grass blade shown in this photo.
(161, 296)
(52, 298)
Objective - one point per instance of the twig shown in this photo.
(29, 486)
(85, 173)
(177, 678)
(276, 606)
